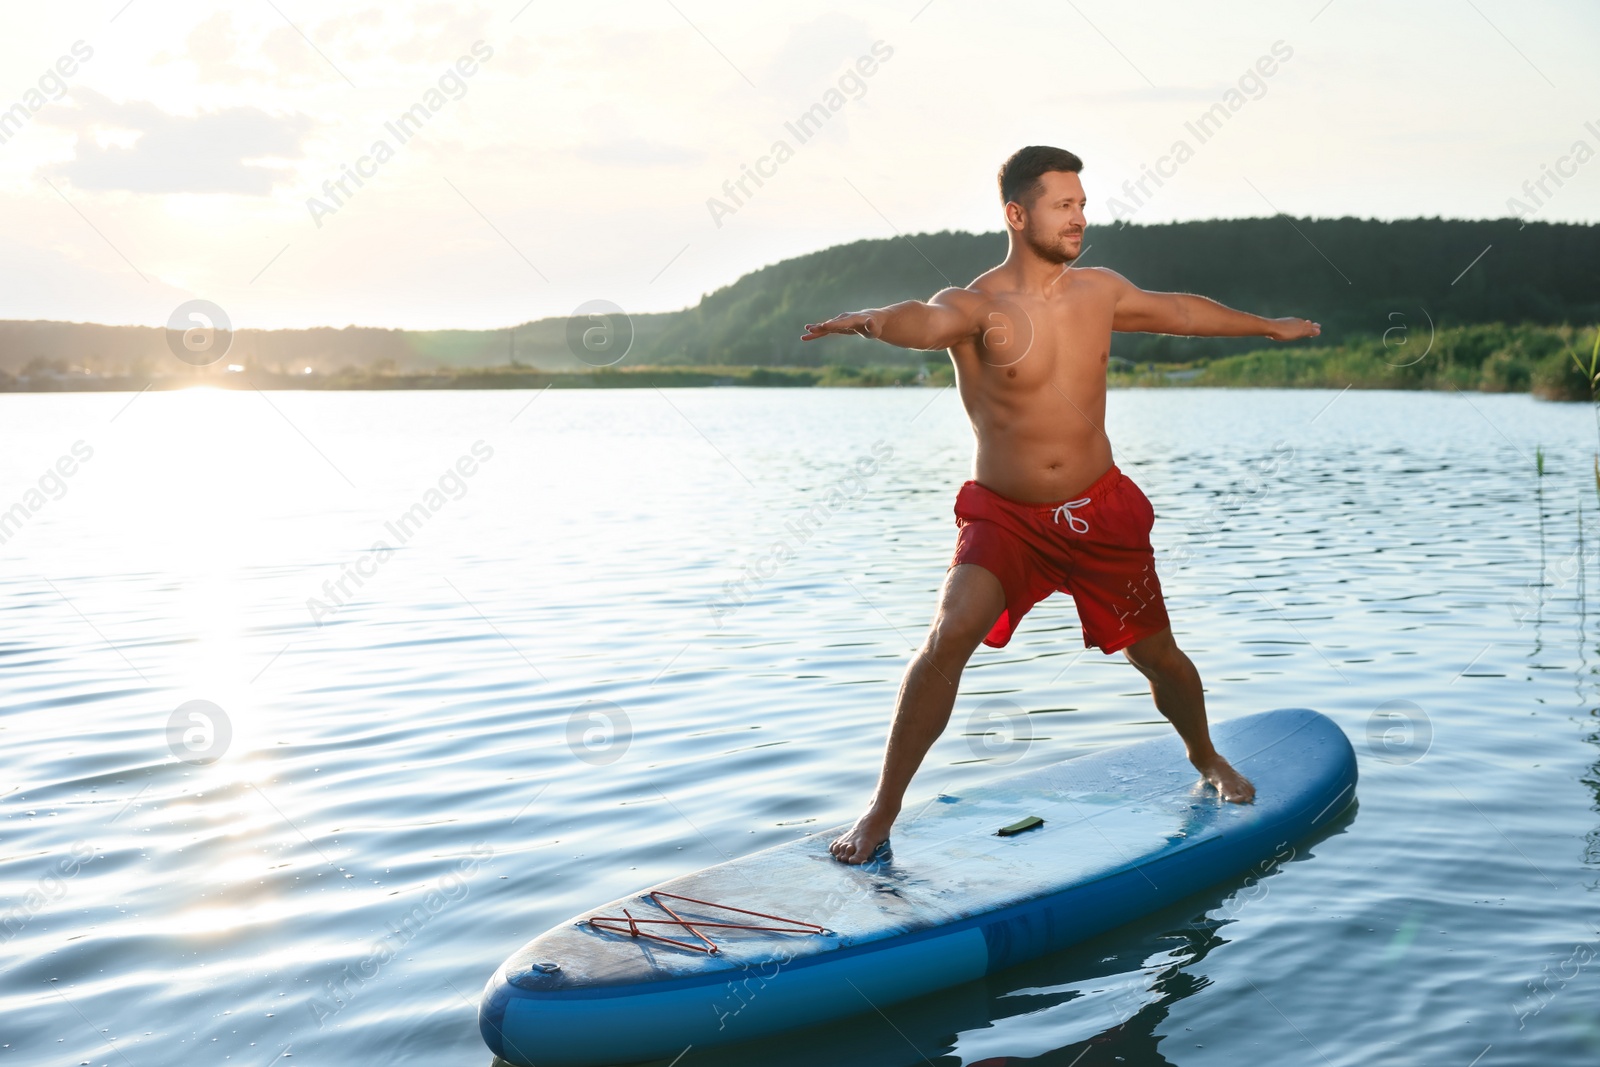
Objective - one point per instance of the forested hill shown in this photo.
(1357, 277)
(1347, 274)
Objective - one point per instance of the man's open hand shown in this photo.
(1292, 329)
(857, 322)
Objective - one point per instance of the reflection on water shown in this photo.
(470, 663)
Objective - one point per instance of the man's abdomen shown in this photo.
(1037, 462)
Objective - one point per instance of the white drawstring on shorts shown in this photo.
(1072, 520)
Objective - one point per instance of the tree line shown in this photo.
(1362, 279)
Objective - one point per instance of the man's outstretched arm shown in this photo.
(946, 320)
(1139, 311)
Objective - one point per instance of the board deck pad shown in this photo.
(1124, 831)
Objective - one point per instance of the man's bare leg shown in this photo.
(1175, 685)
(970, 602)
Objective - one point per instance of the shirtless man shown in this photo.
(1047, 510)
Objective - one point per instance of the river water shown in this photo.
(306, 686)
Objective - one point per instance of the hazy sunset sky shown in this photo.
(560, 153)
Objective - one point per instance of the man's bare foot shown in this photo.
(857, 844)
(1234, 787)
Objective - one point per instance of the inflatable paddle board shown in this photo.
(970, 884)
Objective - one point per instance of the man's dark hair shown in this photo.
(1019, 175)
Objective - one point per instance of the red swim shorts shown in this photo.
(1095, 547)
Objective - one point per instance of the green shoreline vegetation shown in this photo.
(506, 377)
(1430, 306)
(1547, 361)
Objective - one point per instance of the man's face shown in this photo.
(1052, 223)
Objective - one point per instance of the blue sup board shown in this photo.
(789, 936)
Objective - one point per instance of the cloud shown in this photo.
(369, 44)
(1167, 94)
(224, 54)
(438, 32)
(812, 54)
(137, 147)
(636, 152)
(214, 50)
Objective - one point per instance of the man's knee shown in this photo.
(954, 636)
(972, 601)
(1157, 655)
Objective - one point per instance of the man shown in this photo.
(1047, 509)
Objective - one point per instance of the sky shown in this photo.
(253, 153)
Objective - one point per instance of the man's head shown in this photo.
(1044, 201)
